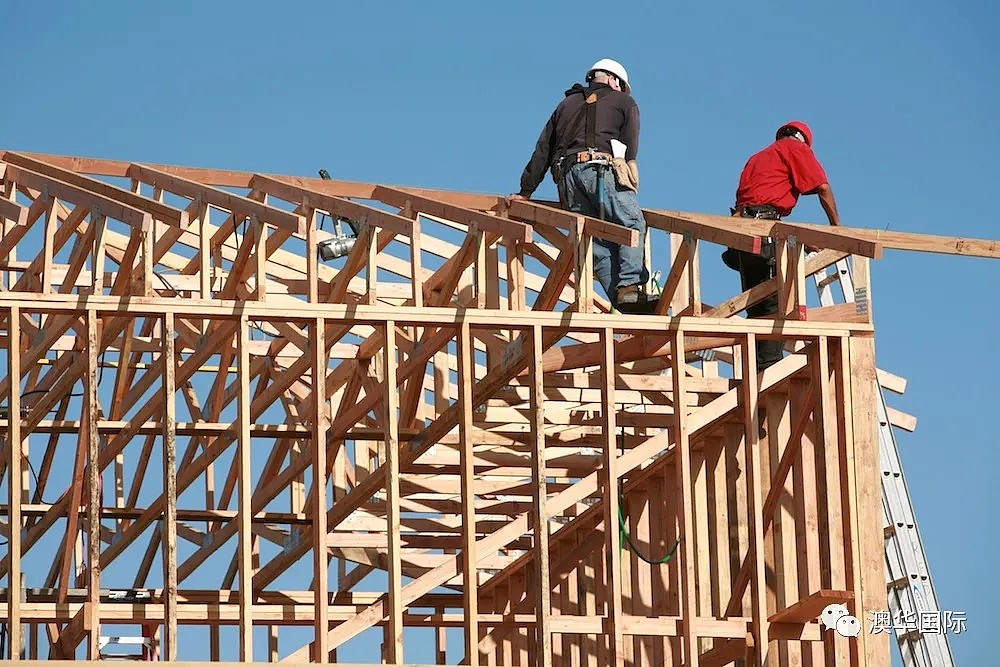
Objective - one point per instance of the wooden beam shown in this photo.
(79, 196)
(470, 574)
(483, 221)
(539, 214)
(160, 211)
(216, 197)
(92, 622)
(14, 480)
(809, 608)
(283, 189)
(245, 497)
(390, 397)
(320, 423)
(540, 524)
(168, 529)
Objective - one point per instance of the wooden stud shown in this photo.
(92, 622)
(14, 481)
(394, 628)
(685, 516)
(540, 527)
(609, 482)
(245, 498)
(470, 576)
(169, 527)
(321, 576)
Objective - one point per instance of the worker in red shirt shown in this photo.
(769, 188)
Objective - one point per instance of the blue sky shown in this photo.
(902, 99)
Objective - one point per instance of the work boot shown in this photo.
(646, 305)
(628, 295)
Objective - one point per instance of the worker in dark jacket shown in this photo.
(769, 188)
(576, 145)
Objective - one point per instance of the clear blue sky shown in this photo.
(902, 98)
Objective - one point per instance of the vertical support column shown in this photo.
(470, 600)
(48, 244)
(540, 527)
(244, 507)
(792, 278)
(861, 276)
(204, 251)
(515, 273)
(416, 268)
(686, 519)
(480, 278)
(693, 276)
(147, 260)
(15, 450)
(169, 529)
(312, 258)
(260, 257)
(371, 265)
(100, 223)
(609, 481)
(321, 567)
(583, 254)
(681, 296)
(755, 502)
(394, 628)
(868, 484)
(93, 621)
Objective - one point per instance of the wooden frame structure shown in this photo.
(502, 461)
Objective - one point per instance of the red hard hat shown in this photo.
(801, 127)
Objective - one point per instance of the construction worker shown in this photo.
(769, 188)
(576, 146)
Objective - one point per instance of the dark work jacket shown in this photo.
(617, 118)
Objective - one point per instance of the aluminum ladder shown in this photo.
(908, 577)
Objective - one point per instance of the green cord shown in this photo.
(626, 539)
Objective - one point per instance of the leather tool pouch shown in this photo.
(626, 173)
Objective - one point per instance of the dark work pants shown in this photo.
(755, 270)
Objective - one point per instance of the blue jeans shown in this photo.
(614, 265)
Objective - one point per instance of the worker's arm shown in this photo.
(829, 204)
(534, 171)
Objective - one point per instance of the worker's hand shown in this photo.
(514, 197)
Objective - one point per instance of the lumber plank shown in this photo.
(160, 211)
(216, 197)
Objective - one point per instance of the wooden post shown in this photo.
(686, 524)
(204, 251)
(682, 295)
(394, 628)
(872, 594)
(609, 482)
(758, 586)
(321, 566)
(539, 476)
(245, 498)
(312, 257)
(92, 623)
(169, 528)
(470, 593)
(14, 487)
(583, 253)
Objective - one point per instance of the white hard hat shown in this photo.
(612, 67)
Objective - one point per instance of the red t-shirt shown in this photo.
(779, 174)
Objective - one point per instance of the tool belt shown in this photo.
(585, 156)
(762, 212)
